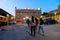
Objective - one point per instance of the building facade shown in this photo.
(54, 14)
(5, 17)
(22, 14)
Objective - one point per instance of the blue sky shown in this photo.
(45, 5)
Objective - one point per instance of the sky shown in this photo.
(45, 5)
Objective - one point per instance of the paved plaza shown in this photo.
(22, 32)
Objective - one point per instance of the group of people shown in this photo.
(34, 23)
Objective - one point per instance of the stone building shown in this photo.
(56, 10)
(54, 14)
(22, 14)
(5, 17)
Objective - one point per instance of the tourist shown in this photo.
(41, 26)
(33, 26)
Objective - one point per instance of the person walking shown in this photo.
(41, 26)
(36, 22)
(28, 21)
(33, 26)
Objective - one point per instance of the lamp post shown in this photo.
(39, 8)
(55, 14)
(27, 17)
(8, 19)
(41, 16)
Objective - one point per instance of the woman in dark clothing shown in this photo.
(41, 26)
(33, 27)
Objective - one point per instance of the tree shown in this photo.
(44, 13)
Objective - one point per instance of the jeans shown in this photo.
(41, 28)
(33, 30)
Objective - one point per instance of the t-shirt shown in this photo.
(41, 21)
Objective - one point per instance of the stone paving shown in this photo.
(22, 32)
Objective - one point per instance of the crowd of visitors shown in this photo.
(34, 23)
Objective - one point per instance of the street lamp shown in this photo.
(24, 18)
(55, 13)
(8, 19)
(7, 15)
(41, 16)
(27, 17)
(39, 8)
